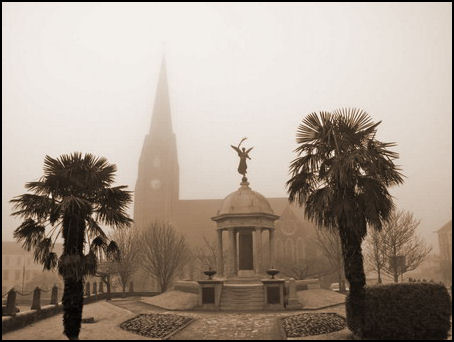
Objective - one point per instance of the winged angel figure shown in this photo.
(243, 154)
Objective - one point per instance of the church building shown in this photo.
(156, 194)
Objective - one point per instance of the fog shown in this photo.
(82, 77)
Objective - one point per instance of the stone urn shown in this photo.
(272, 272)
(210, 273)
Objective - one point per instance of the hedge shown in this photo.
(402, 311)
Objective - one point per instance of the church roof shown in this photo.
(193, 217)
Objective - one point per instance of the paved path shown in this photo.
(108, 318)
(206, 325)
(224, 325)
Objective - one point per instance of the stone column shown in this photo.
(271, 247)
(220, 258)
(232, 253)
(258, 249)
(235, 252)
(254, 249)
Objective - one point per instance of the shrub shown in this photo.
(403, 311)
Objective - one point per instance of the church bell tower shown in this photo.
(157, 186)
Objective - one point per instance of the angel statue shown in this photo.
(243, 154)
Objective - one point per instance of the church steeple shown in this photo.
(161, 122)
(157, 186)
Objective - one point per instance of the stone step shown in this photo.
(242, 296)
(242, 308)
(243, 281)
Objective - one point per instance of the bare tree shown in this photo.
(205, 255)
(330, 245)
(163, 252)
(399, 239)
(375, 256)
(303, 269)
(127, 264)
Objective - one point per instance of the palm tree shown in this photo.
(72, 198)
(341, 175)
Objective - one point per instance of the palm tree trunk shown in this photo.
(354, 272)
(73, 295)
(72, 307)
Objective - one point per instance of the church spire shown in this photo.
(161, 122)
(157, 186)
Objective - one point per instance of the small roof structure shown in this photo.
(245, 208)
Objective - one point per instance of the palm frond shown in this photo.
(89, 264)
(42, 250)
(300, 186)
(73, 205)
(98, 243)
(31, 205)
(94, 229)
(342, 172)
(112, 251)
(30, 232)
(50, 261)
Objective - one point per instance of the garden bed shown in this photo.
(156, 325)
(309, 324)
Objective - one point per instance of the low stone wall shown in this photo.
(307, 284)
(22, 319)
(25, 318)
(187, 286)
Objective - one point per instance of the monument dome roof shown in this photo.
(245, 201)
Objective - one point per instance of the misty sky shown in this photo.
(82, 77)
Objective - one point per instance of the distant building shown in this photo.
(156, 194)
(18, 265)
(445, 245)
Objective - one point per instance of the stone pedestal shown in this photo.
(293, 303)
(210, 294)
(274, 293)
(11, 303)
(36, 301)
(54, 295)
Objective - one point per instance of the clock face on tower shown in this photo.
(155, 184)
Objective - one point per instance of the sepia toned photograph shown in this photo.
(226, 171)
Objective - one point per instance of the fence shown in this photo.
(39, 310)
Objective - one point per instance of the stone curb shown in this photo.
(321, 307)
(323, 336)
(179, 329)
(309, 337)
(166, 337)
